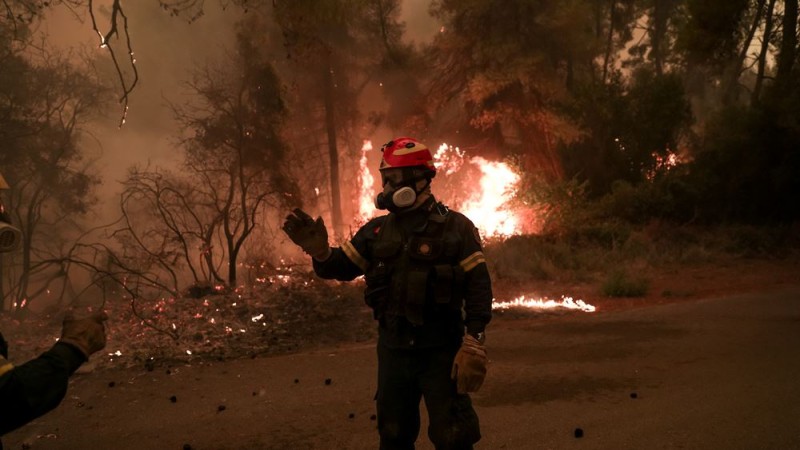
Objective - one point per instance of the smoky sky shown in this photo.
(166, 49)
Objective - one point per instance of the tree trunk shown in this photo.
(609, 38)
(762, 57)
(232, 257)
(24, 279)
(661, 11)
(788, 44)
(333, 152)
(731, 79)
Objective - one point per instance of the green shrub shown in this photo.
(609, 234)
(620, 284)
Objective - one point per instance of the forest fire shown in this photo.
(482, 190)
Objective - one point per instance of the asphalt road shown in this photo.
(712, 374)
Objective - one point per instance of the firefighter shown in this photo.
(429, 288)
(32, 389)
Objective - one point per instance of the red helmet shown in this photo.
(406, 152)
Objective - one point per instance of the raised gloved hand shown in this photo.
(469, 366)
(87, 334)
(311, 235)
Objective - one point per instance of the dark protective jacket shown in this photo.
(36, 387)
(425, 272)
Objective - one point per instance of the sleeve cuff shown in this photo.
(475, 326)
(70, 355)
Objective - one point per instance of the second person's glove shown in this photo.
(311, 235)
(87, 334)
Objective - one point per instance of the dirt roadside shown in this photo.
(252, 403)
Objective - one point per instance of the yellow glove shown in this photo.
(469, 366)
(87, 334)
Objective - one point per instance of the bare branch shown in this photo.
(127, 88)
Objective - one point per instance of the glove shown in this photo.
(469, 366)
(87, 334)
(308, 233)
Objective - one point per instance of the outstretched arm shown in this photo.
(39, 385)
(36, 387)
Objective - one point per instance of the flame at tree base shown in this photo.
(565, 302)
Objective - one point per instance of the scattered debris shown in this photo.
(291, 309)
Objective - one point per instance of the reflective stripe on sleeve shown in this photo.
(5, 366)
(472, 260)
(354, 256)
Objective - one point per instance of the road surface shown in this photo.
(719, 373)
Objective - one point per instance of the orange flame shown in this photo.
(488, 206)
(366, 204)
(566, 302)
(489, 203)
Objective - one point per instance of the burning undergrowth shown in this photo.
(285, 315)
(281, 313)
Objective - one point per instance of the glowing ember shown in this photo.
(566, 302)
(448, 159)
(664, 163)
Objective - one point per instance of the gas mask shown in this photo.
(402, 195)
(10, 236)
